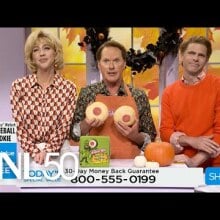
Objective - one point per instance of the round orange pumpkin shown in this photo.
(161, 152)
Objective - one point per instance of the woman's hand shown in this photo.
(40, 157)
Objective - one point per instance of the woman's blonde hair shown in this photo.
(51, 40)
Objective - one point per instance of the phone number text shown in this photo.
(115, 179)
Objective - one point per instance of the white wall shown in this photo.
(11, 65)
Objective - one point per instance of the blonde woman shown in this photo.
(42, 102)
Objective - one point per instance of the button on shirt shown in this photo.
(42, 116)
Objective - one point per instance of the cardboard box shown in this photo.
(94, 151)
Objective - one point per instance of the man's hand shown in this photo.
(131, 132)
(202, 143)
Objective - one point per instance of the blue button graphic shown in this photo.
(11, 150)
(212, 176)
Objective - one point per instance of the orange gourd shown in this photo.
(161, 152)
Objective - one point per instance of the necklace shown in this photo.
(113, 94)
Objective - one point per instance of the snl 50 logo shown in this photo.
(27, 173)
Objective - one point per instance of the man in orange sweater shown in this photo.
(190, 108)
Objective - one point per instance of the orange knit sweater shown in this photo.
(192, 109)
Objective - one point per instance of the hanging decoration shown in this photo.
(168, 42)
(95, 37)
